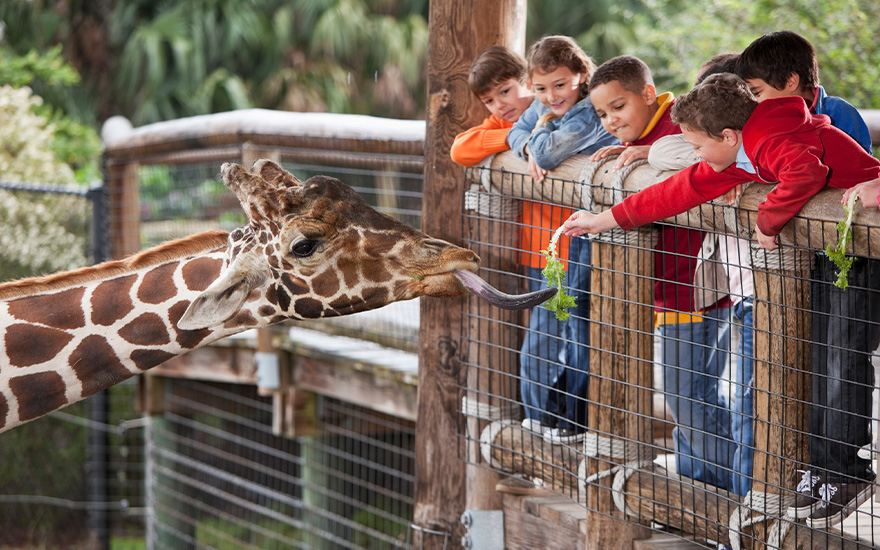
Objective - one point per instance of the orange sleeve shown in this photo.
(472, 146)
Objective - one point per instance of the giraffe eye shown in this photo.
(304, 248)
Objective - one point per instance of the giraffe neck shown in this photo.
(66, 337)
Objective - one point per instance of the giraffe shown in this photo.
(310, 250)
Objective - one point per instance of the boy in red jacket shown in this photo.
(692, 342)
(778, 141)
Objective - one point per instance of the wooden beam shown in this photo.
(458, 31)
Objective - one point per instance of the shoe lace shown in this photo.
(808, 480)
(826, 491)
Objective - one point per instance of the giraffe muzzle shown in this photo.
(484, 290)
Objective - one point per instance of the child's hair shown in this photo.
(721, 63)
(631, 72)
(776, 56)
(551, 52)
(722, 101)
(495, 65)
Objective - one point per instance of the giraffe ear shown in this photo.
(222, 299)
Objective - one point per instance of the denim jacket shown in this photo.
(578, 131)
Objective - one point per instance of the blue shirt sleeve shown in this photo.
(579, 131)
(847, 118)
(519, 135)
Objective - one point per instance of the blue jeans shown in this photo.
(742, 409)
(694, 356)
(554, 359)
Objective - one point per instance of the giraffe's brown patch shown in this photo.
(4, 411)
(148, 358)
(297, 287)
(188, 339)
(96, 365)
(157, 285)
(326, 283)
(38, 394)
(272, 260)
(272, 294)
(284, 300)
(349, 270)
(265, 311)
(376, 272)
(28, 345)
(111, 300)
(199, 273)
(277, 319)
(308, 308)
(145, 330)
(62, 310)
(243, 318)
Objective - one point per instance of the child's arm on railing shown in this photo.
(583, 222)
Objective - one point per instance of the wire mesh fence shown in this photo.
(220, 478)
(702, 386)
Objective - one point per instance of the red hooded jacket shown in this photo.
(801, 153)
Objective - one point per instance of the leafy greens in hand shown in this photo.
(837, 254)
(555, 275)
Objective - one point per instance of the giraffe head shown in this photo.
(315, 249)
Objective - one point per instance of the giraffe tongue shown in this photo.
(484, 290)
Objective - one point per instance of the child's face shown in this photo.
(507, 100)
(624, 114)
(762, 90)
(718, 153)
(558, 90)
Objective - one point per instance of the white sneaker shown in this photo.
(534, 425)
(562, 436)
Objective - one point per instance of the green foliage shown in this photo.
(554, 272)
(837, 254)
(73, 142)
(676, 37)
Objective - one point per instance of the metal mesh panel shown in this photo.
(222, 480)
(760, 386)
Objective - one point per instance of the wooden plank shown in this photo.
(546, 529)
(458, 31)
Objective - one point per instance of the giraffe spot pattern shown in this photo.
(111, 300)
(187, 339)
(38, 394)
(28, 345)
(296, 287)
(157, 285)
(148, 358)
(61, 310)
(308, 308)
(243, 318)
(145, 330)
(326, 283)
(199, 273)
(96, 365)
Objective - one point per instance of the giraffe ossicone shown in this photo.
(311, 249)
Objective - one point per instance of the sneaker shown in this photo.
(807, 500)
(837, 501)
(562, 436)
(534, 425)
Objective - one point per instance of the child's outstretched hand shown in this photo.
(582, 222)
(867, 193)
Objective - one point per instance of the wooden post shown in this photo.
(123, 201)
(458, 32)
(621, 373)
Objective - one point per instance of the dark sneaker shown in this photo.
(807, 499)
(837, 501)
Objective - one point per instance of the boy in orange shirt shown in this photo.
(692, 340)
(498, 78)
